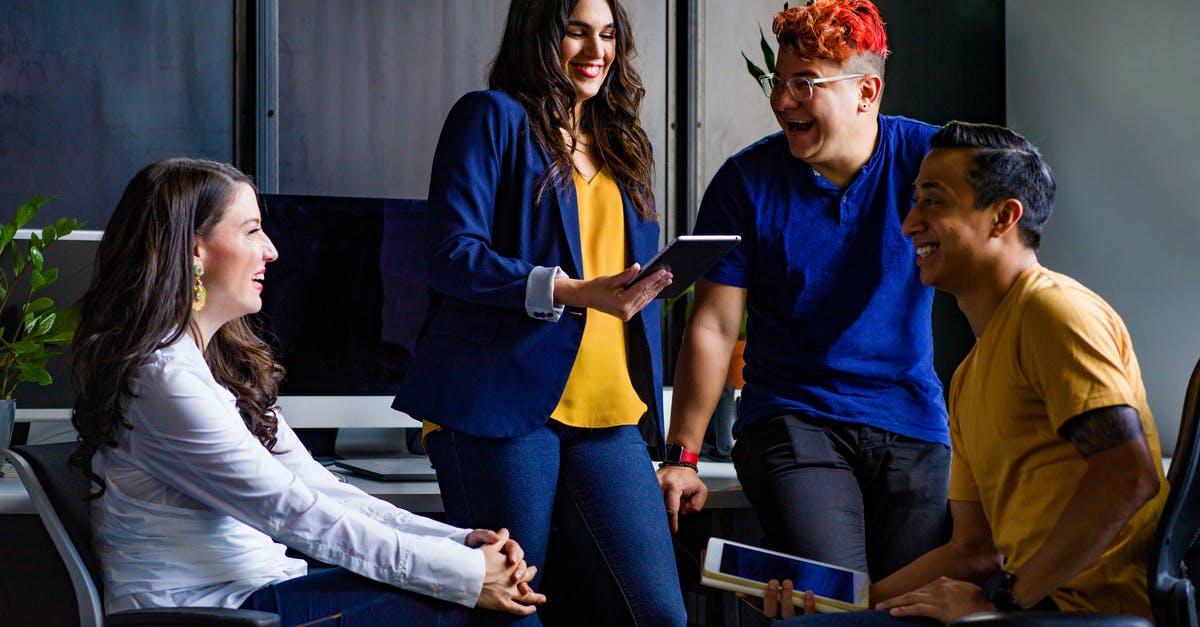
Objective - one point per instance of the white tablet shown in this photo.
(687, 257)
(743, 568)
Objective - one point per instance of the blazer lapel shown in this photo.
(643, 238)
(568, 206)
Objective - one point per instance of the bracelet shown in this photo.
(662, 465)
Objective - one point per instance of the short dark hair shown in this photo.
(1004, 165)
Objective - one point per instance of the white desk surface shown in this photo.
(724, 491)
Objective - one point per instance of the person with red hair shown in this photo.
(842, 440)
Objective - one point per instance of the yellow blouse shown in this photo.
(599, 392)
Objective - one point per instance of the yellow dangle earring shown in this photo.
(199, 293)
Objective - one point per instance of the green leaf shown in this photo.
(39, 304)
(45, 323)
(60, 338)
(36, 280)
(768, 53)
(35, 256)
(35, 373)
(49, 233)
(7, 233)
(29, 210)
(65, 226)
(18, 259)
(754, 70)
(24, 347)
(49, 275)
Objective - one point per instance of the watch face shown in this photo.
(998, 590)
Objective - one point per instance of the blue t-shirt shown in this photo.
(839, 324)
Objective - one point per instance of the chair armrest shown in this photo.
(1048, 619)
(194, 617)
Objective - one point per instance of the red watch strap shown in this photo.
(684, 455)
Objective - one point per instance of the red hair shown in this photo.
(832, 30)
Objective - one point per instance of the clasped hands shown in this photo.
(506, 579)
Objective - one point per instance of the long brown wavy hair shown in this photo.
(529, 68)
(140, 298)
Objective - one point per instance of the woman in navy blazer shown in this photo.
(506, 262)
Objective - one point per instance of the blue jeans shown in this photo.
(586, 507)
(845, 493)
(339, 598)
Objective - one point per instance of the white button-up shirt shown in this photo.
(197, 511)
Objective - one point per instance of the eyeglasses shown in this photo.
(801, 88)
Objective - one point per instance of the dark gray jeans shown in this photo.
(845, 493)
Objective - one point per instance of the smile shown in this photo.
(924, 250)
(589, 71)
(799, 125)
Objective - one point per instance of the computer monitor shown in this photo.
(343, 305)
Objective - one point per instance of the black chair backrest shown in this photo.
(1172, 591)
(66, 488)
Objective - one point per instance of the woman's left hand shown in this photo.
(608, 293)
(510, 548)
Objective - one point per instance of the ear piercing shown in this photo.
(199, 292)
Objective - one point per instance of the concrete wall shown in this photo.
(365, 86)
(1108, 89)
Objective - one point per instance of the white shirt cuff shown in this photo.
(447, 570)
(539, 293)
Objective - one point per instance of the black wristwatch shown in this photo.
(998, 590)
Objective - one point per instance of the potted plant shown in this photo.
(31, 325)
(736, 359)
(768, 56)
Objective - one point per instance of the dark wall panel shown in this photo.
(365, 86)
(947, 60)
(92, 91)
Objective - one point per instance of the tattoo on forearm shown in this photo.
(1101, 429)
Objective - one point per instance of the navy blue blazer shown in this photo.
(484, 366)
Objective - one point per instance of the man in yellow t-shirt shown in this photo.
(1056, 483)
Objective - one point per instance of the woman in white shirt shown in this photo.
(199, 481)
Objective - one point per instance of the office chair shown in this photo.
(57, 492)
(1173, 558)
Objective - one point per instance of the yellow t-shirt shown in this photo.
(599, 392)
(1052, 350)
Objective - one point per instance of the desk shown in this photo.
(724, 491)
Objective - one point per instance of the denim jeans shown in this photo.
(586, 507)
(845, 493)
(339, 598)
